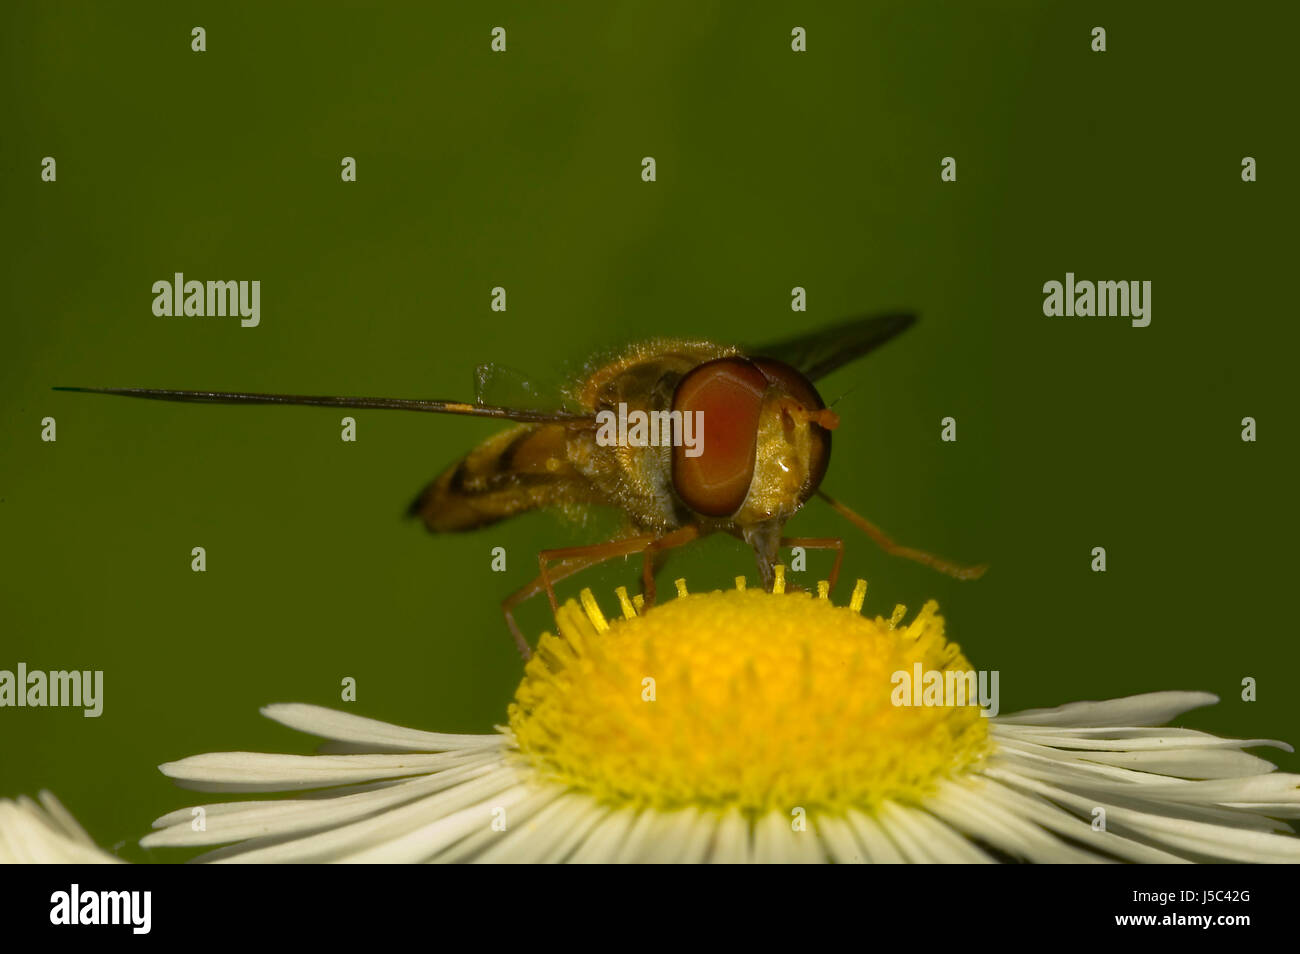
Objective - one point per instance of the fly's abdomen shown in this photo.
(522, 469)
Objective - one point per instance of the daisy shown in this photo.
(44, 832)
(747, 726)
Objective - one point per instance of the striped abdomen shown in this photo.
(521, 469)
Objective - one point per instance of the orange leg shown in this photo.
(675, 539)
(820, 543)
(595, 553)
(886, 543)
(556, 565)
(565, 569)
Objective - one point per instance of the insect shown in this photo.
(761, 452)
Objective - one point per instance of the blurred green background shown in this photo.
(522, 169)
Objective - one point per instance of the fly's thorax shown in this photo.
(634, 479)
(644, 374)
(627, 459)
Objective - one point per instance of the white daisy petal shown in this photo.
(971, 807)
(263, 772)
(1199, 838)
(1053, 818)
(336, 843)
(1164, 740)
(45, 832)
(639, 839)
(911, 844)
(841, 843)
(586, 814)
(514, 825)
(237, 821)
(534, 827)
(776, 842)
(1242, 802)
(874, 841)
(699, 839)
(1198, 763)
(679, 838)
(603, 844)
(453, 824)
(1276, 788)
(945, 843)
(346, 727)
(1169, 795)
(1149, 708)
(731, 843)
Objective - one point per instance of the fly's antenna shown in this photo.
(842, 396)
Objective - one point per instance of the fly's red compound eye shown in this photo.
(795, 384)
(728, 394)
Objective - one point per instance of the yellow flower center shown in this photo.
(743, 699)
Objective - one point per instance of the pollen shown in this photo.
(741, 699)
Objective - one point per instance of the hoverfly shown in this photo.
(765, 449)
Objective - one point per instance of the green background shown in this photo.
(522, 169)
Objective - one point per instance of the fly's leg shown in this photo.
(593, 554)
(820, 543)
(556, 565)
(656, 548)
(565, 569)
(568, 561)
(886, 543)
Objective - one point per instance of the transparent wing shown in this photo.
(499, 384)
